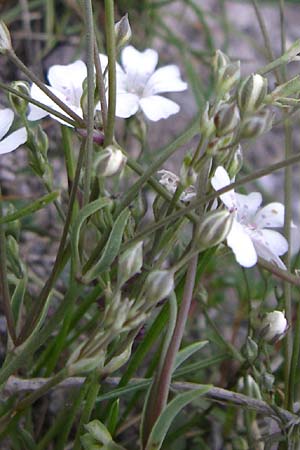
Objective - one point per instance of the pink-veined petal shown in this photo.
(13, 141)
(247, 205)
(271, 215)
(127, 104)
(138, 63)
(242, 246)
(165, 79)
(68, 79)
(156, 107)
(220, 180)
(6, 120)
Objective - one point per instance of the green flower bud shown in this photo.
(267, 381)
(139, 206)
(87, 365)
(220, 60)
(252, 93)
(207, 125)
(18, 104)
(227, 78)
(250, 350)
(122, 32)
(254, 126)
(41, 141)
(5, 39)
(158, 285)
(130, 263)
(214, 228)
(236, 163)
(118, 361)
(227, 119)
(110, 161)
(13, 227)
(188, 174)
(88, 443)
(98, 431)
(13, 256)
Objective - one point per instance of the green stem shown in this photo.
(90, 98)
(100, 85)
(111, 53)
(68, 152)
(13, 57)
(4, 288)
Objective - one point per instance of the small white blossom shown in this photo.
(138, 84)
(66, 82)
(170, 181)
(249, 236)
(274, 326)
(13, 140)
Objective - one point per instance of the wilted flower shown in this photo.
(138, 84)
(248, 237)
(66, 82)
(14, 139)
(170, 181)
(274, 326)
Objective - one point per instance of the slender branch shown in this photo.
(90, 98)
(100, 84)
(111, 53)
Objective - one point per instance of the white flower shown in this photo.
(66, 82)
(138, 84)
(14, 139)
(274, 326)
(249, 236)
(170, 181)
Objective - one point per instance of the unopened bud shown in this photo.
(5, 39)
(236, 163)
(123, 32)
(254, 126)
(158, 285)
(117, 361)
(130, 263)
(267, 381)
(19, 104)
(110, 161)
(252, 93)
(139, 206)
(207, 125)
(227, 78)
(87, 365)
(274, 326)
(188, 174)
(98, 432)
(220, 60)
(14, 226)
(41, 141)
(227, 119)
(250, 350)
(214, 228)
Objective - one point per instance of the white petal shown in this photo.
(220, 180)
(247, 205)
(127, 104)
(6, 119)
(140, 63)
(272, 240)
(68, 79)
(271, 215)
(156, 107)
(242, 246)
(166, 79)
(13, 141)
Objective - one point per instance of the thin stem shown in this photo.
(38, 307)
(4, 288)
(163, 384)
(45, 89)
(90, 98)
(111, 53)
(100, 84)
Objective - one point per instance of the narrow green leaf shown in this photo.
(187, 352)
(17, 298)
(111, 248)
(113, 416)
(164, 421)
(86, 212)
(30, 209)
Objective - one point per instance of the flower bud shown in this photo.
(117, 361)
(19, 104)
(122, 32)
(158, 285)
(139, 206)
(267, 381)
(274, 326)
(207, 126)
(130, 263)
(87, 365)
(250, 350)
(214, 228)
(254, 126)
(220, 60)
(227, 119)
(227, 78)
(236, 163)
(98, 431)
(188, 175)
(252, 93)
(110, 161)
(5, 39)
